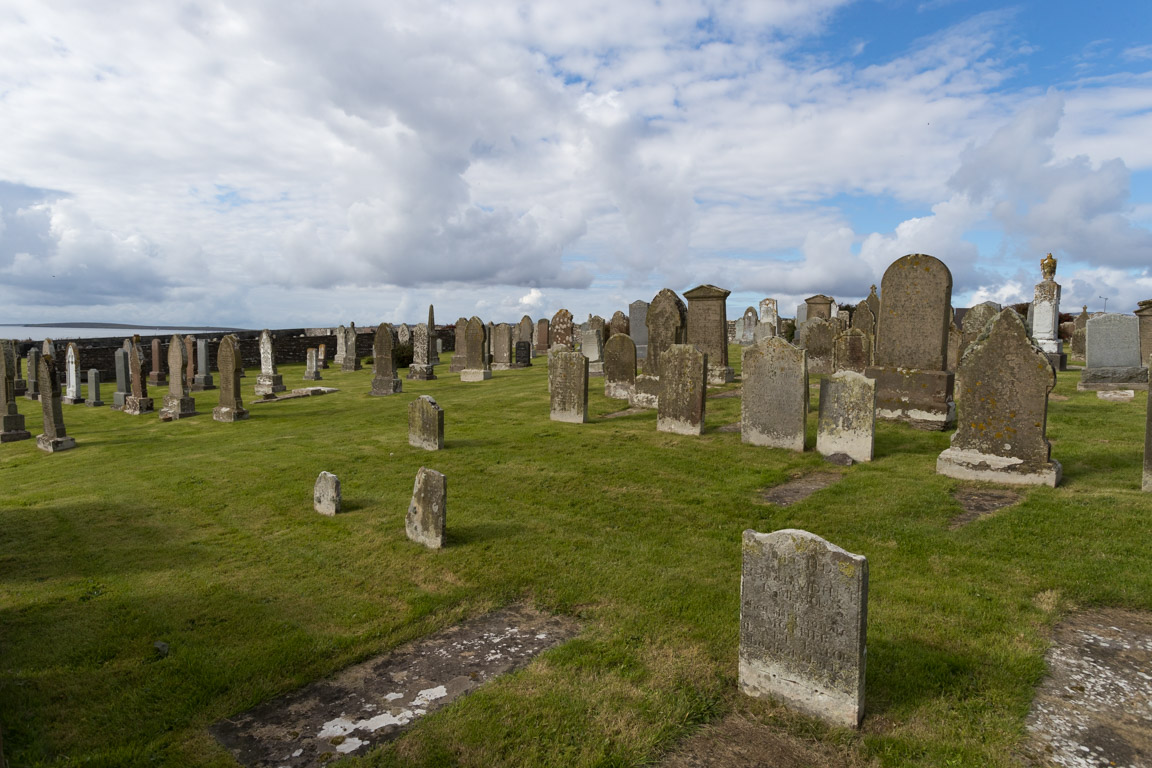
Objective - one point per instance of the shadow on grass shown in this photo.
(476, 532)
(468, 443)
(902, 675)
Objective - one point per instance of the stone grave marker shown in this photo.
(20, 384)
(423, 351)
(523, 354)
(384, 379)
(863, 319)
(341, 345)
(351, 360)
(817, 337)
(1046, 315)
(1080, 327)
(873, 302)
(708, 329)
(542, 335)
(203, 379)
(123, 387)
(403, 334)
(852, 351)
(847, 421)
(157, 377)
(683, 390)
(954, 338)
(427, 513)
(231, 406)
(72, 376)
(425, 424)
(457, 363)
(818, 306)
(638, 326)
(177, 404)
(568, 385)
(746, 332)
(326, 495)
(55, 437)
(11, 420)
(525, 330)
(774, 400)
(618, 324)
(190, 362)
(138, 402)
(667, 320)
(597, 323)
(33, 390)
(561, 329)
(476, 364)
(94, 400)
(770, 317)
(619, 367)
(312, 364)
(976, 321)
(1113, 354)
(321, 357)
(47, 347)
(1144, 313)
(269, 381)
(592, 347)
(433, 339)
(502, 347)
(1146, 484)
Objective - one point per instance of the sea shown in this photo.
(73, 332)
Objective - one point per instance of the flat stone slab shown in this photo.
(1117, 395)
(367, 704)
(626, 412)
(979, 502)
(1095, 706)
(799, 488)
(303, 392)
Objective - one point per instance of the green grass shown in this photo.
(202, 535)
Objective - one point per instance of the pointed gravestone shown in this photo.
(425, 424)
(524, 332)
(476, 365)
(202, 382)
(501, 347)
(384, 379)
(592, 347)
(72, 376)
(231, 406)
(11, 420)
(975, 322)
(351, 361)
(47, 347)
(33, 390)
(847, 422)
(774, 398)
(55, 438)
(269, 381)
(561, 329)
(93, 400)
(138, 402)
(618, 324)
(747, 333)
(683, 390)
(428, 511)
(542, 331)
(852, 351)
(568, 385)
(1112, 354)
(422, 351)
(619, 367)
(817, 337)
(312, 364)
(156, 376)
(326, 495)
(913, 384)
(803, 624)
(123, 379)
(1002, 402)
(708, 329)
(178, 404)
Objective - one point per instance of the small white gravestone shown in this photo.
(326, 494)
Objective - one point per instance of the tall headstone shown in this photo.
(803, 624)
(708, 329)
(231, 406)
(847, 421)
(592, 347)
(72, 376)
(1002, 397)
(619, 367)
(269, 381)
(819, 306)
(912, 383)
(502, 347)
(55, 437)
(190, 362)
(1112, 354)
(321, 357)
(476, 364)
(1144, 312)
(683, 390)
(341, 346)
(123, 379)
(425, 424)
(873, 302)
(817, 337)
(770, 316)
(746, 331)
(428, 511)
(667, 320)
(596, 323)
(542, 343)
(568, 385)
(433, 347)
(561, 329)
(384, 379)
(178, 404)
(618, 324)
(326, 496)
(774, 400)
(20, 384)
(33, 390)
(460, 345)
(423, 350)
(94, 400)
(156, 376)
(11, 420)
(976, 321)
(525, 330)
(138, 402)
(863, 318)
(203, 379)
(1078, 334)
(852, 351)
(1146, 484)
(638, 327)
(403, 334)
(1046, 315)
(351, 361)
(312, 364)
(954, 338)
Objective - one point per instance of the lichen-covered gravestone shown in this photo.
(561, 329)
(1002, 401)
(1080, 327)
(1112, 354)
(847, 422)
(425, 424)
(618, 324)
(351, 361)
(33, 390)
(619, 367)
(769, 317)
(428, 511)
(326, 494)
(93, 400)
(55, 437)
(592, 347)
(269, 381)
(384, 379)
(683, 390)
(568, 385)
(312, 364)
(11, 420)
(231, 407)
(774, 400)
(1146, 485)
(638, 327)
(852, 351)
(177, 403)
(708, 329)
(72, 376)
(803, 624)
(667, 320)
(817, 337)
(423, 350)
(460, 346)
(501, 347)
(975, 322)
(157, 377)
(322, 357)
(476, 364)
(138, 402)
(190, 362)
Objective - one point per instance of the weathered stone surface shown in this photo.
(72, 376)
(597, 323)
(1144, 313)
(156, 376)
(818, 306)
(524, 332)
(955, 336)
(321, 357)
(1117, 395)
(55, 437)
(11, 420)
(568, 385)
(1003, 385)
(522, 355)
(47, 347)
(542, 335)
(1146, 485)
(433, 338)
(746, 332)
(619, 367)
(312, 364)
(403, 334)
(502, 347)
(177, 403)
(645, 392)
(384, 379)
(976, 321)
(231, 407)
(561, 329)
(202, 381)
(667, 322)
(774, 401)
(428, 511)
(20, 384)
(138, 402)
(638, 327)
(817, 337)
(852, 351)
(341, 345)
(457, 363)
(708, 329)
(33, 390)
(269, 381)
(93, 400)
(770, 316)
(421, 368)
(123, 388)
(863, 318)
(592, 347)
(803, 624)
(326, 494)
(847, 422)
(476, 365)
(1045, 316)
(425, 424)
(190, 361)
(683, 390)
(351, 361)
(1113, 354)
(1079, 333)
(618, 324)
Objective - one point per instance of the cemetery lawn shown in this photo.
(201, 535)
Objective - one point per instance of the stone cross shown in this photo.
(231, 406)
(94, 400)
(72, 376)
(312, 364)
(774, 398)
(619, 367)
(11, 420)
(428, 511)
(683, 390)
(384, 379)
(425, 424)
(847, 421)
(55, 438)
(667, 321)
(708, 329)
(269, 381)
(568, 385)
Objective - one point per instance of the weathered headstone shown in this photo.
(433, 338)
(341, 346)
(33, 390)
(427, 514)
(312, 364)
(1078, 334)
(72, 376)
(638, 327)
(458, 356)
(746, 332)
(501, 347)
(524, 333)
(93, 400)
(231, 406)
(425, 424)
(138, 402)
(177, 403)
(351, 360)
(873, 302)
(561, 329)
(597, 323)
(770, 316)
(47, 347)
(912, 383)
(568, 385)
(321, 357)
(203, 380)
(156, 376)
(817, 337)
(326, 496)
(1046, 315)
(803, 624)
(542, 335)
(1113, 354)
(708, 329)
(847, 421)
(1146, 484)
(403, 334)
(618, 324)
(683, 390)
(19, 383)
(954, 338)
(123, 379)
(592, 347)
(667, 320)
(852, 351)
(619, 367)
(863, 318)
(190, 362)
(476, 364)
(523, 354)
(269, 381)
(976, 321)
(774, 400)
(55, 437)
(1002, 397)
(1144, 313)
(384, 379)
(421, 368)
(818, 306)
(11, 420)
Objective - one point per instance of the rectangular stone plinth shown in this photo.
(72, 400)
(178, 408)
(385, 387)
(1126, 377)
(720, 374)
(134, 406)
(421, 372)
(312, 376)
(974, 465)
(921, 399)
(1059, 360)
(267, 385)
(54, 444)
(475, 374)
(222, 413)
(14, 431)
(202, 383)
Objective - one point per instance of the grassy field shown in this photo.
(202, 535)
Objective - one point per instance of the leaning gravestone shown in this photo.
(619, 367)
(33, 390)
(138, 402)
(231, 406)
(326, 495)
(542, 331)
(568, 385)
(1002, 398)
(667, 320)
(476, 364)
(774, 400)
(1113, 354)
(423, 351)
(156, 377)
(592, 347)
(976, 321)
(11, 420)
(852, 351)
(269, 381)
(817, 337)
(72, 376)
(384, 379)
(55, 438)
(638, 327)
(123, 387)
(683, 390)
(94, 400)
(803, 624)
(708, 329)
(178, 404)
(847, 422)
(203, 380)
(426, 518)
(312, 365)
(425, 424)
(561, 329)
(502, 347)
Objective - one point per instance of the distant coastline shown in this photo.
(204, 328)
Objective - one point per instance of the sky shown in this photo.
(288, 164)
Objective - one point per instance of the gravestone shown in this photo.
(746, 331)
(94, 400)
(770, 317)
(847, 421)
(1146, 484)
(525, 329)
(524, 354)
(638, 327)
(47, 347)
(1144, 313)
(55, 437)
(476, 365)
(1112, 354)
(873, 302)
(177, 403)
(269, 381)
(203, 380)
(123, 387)
(667, 320)
(501, 347)
(852, 351)
(592, 347)
(138, 402)
(157, 377)
(803, 624)
(954, 337)
(911, 350)
(384, 379)
(863, 318)
(774, 400)
(421, 368)
(542, 335)
(425, 424)
(428, 511)
(458, 356)
(403, 334)
(11, 420)
(619, 367)
(618, 324)
(801, 314)
(817, 337)
(351, 360)
(326, 496)
(433, 338)
(341, 346)
(19, 383)
(33, 390)
(561, 329)
(976, 321)
(1078, 334)
(845, 317)
(818, 306)
(708, 329)
(1002, 402)
(312, 364)
(596, 323)
(321, 358)
(231, 406)
(1046, 315)
(568, 385)
(72, 376)
(190, 362)
(683, 390)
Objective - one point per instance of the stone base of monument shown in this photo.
(202, 383)
(30, 395)
(384, 387)
(94, 403)
(267, 385)
(720, 374)
(12, 428)
(596, 369)
(421, 372)
(471, 374)
(134, 406)
(222, 413)
(1134, 377)
(1059, 360)
(501, 366)
(19, 387)
(156, 378)
(312, 376)
(177, 407)
(72, 400)
(974, 465)
(456, 365)
(54, 444)
(921, 399)
(678, 426)
(352, 364)
(619, 390)
(645, 392)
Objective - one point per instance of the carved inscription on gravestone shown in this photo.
(619, 367)
(568, 385)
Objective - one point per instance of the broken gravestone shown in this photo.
(427, 513)
(326, 494)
